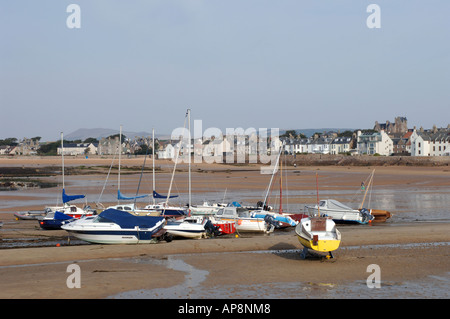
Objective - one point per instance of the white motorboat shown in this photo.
(339, 212)
(243, 219)
(206, 208)
(191, 227)
(118, 227)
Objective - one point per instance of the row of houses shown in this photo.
(434, 142)
(397, 140)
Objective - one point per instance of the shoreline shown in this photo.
(405, 251)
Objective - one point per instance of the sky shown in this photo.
(287, 64)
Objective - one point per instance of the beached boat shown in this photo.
(168, 211)
(118, 227)
(31, 214)
(339, 212)
(319, 234)
(244, 221)
(191, 227)
(379, 215)
(225, 227)
(206, 208)
(54, 220)
(281, 220)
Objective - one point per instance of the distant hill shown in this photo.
(98, 133)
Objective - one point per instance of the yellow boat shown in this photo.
(319, 234)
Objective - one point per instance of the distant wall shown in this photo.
(366, 160)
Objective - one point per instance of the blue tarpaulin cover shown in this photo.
(127, 220)
(121, 196)
(156, 195)
(61, 216)
(67, 198)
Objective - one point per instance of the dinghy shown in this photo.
(31, 214)
(118, 227)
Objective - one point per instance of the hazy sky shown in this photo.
(236, 63)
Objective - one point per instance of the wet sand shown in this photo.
(405, 251)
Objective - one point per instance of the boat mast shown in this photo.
(367, 189)
(271, 178)
(174, 169)
(189, 154)
(62, 157)
(120, 154)
(153, 157)
(317, 188)
(281, 187)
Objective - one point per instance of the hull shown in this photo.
(114, 237)
(117, 227)
(226, 227)
(248, 224)
(339, 212)
(318, 233)
(242, 218)
(51, 224)
(320, 245)
(31, 215)
(380, 215)
(186, 230)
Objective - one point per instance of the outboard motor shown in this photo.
(367, 216)
(211, 229)
(271, 222)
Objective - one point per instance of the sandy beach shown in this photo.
(409, 249)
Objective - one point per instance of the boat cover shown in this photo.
(61, 216)
(127, 220)
(156, 195)
(67, 198)
(121, 196)
(334, 204)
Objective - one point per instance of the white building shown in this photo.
(375, 143)
(435, 142)
(341, 145)
(78, 149)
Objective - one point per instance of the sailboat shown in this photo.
(163, 208)
(318, 233)
(379, 215)
(278, 219)
(127, 207)
(58, 215)
(342, 213)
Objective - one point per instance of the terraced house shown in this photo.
(434, 142)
